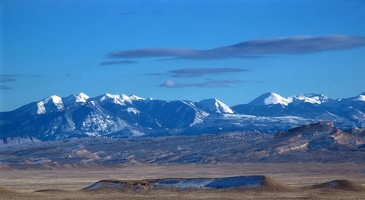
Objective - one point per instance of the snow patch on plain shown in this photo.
(106, 184)
(212, 183)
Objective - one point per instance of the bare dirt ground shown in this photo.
(66, 182)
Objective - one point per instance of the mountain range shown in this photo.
(123, 116)
(317, 142)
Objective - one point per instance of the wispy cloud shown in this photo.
(71, 76)
(9, 78)
(157, 74)
(207, 84)
(121, 62)
(195, 72)
(251, 48)
(36, 76)
(153, 52)
(6, 78)
(5, 87)
(13, 77)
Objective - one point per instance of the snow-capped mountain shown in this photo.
(215, 106)
(273, 99)
(269, 99)
(49, 104)
(120, 99)
(361, 97)
(120, 115)
(353, 100)
(308, 98)
(74, 99)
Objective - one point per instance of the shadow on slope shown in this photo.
(339, 185)
(54, 191)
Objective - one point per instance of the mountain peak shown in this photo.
(349, 101)
(270, 98)
(361, 97)
(118, 98)
(214, 105)
(308, 98)
(74, 99)
(111, 98)
(81, 97)
(50, 103)
(54, 99)
(130, 98)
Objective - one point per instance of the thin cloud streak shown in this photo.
(251, 49)
(36, 76)
(123, 62)
(5, 87)
(9, 78)
(196, 72)
(157, 74)
(6, 78)
(153, 52)
(295, 45)
(207, 84)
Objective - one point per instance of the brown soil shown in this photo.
(5, 190)
(271, 185)
(340, 185)
(283, 181)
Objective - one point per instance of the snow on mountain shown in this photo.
(49, 104)
(74, 99)
(81, 97)
(130, 116)
(273, 98)
(308, 98)
(96, 123)
(361, 97)
(130, 98)
(120, 99)
(200, 114)
(349, 101)
(111, 98)
(132, 110)
(215, 106)
(270, 99)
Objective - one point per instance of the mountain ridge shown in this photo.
(120, 115)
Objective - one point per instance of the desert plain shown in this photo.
(290, 181)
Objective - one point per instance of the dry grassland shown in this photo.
(66, 182)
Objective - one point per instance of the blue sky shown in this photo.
(230, 50)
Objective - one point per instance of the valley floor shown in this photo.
(65, 182)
